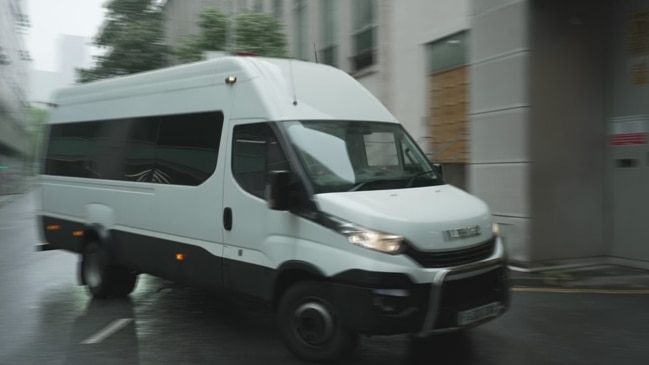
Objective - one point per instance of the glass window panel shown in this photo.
(448, 53)
(187, 148)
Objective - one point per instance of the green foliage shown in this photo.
(131, 38)
(258, 33)
(36, 127)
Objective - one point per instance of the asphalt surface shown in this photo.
(46, 318)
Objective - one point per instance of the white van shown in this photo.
(278, 179)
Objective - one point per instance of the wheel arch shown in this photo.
(290, 273)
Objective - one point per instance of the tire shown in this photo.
(310, 326)
(102, 278)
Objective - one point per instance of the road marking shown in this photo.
(582, 291)
(107, 331)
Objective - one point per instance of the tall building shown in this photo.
(73, 54)
(538, 107)
(14, 65)
(43, 86)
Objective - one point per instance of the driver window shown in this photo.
(255, 152)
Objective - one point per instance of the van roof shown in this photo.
(287, 89)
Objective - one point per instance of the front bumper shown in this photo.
(402, 306)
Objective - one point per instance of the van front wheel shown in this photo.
(310, 327)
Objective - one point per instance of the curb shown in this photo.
(607, 280)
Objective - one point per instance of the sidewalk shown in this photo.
(601, 277)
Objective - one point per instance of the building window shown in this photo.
(278, 9)
(448, 53)
(329, 48)
(448, 95)
(256, 152)
(364, 35)
(300, 29)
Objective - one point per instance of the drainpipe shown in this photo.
(385, 35)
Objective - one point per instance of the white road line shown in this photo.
(115, 326)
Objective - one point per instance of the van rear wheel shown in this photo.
(102, 278)
(310, 326)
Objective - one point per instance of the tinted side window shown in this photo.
(187, 148)
(140, 150)
(68, 150)
(106, 149)
(176, 149)
(255, 153)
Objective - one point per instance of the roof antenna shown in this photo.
(290, 65)
(315, 50)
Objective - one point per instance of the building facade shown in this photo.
(559, 126)
(14, 81)
(73, 54)
(538, 107)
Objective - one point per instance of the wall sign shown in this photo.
(628, 131)
(638, 45)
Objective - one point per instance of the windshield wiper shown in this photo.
(413, 177)
(411, 180)
(363, 183)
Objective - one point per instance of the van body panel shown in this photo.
(211, 226)
(421, 215)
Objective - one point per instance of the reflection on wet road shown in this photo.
(45, 318)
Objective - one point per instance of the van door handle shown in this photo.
(227, 219)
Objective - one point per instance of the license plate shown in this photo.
(477, 314)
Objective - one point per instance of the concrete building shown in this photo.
(536, 106)
(73, 54)
(14, 78)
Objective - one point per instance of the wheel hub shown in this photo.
(313, 324)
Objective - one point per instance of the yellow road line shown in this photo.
(581, 291)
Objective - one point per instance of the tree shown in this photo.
(260, 34)
(35, 130)
(256, 32)
(131, 40)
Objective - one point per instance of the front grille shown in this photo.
(454, 257)
(472, 292)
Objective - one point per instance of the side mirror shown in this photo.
(439, 168)
(280, 190)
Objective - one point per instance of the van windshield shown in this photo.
(352, 155)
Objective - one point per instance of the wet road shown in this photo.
(45, 318)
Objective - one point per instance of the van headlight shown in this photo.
(373, 240)
(496, 229)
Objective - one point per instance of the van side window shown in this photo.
(139, 159)
(68, 149)
(179, 149)
(256, 152)
(187, 148)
